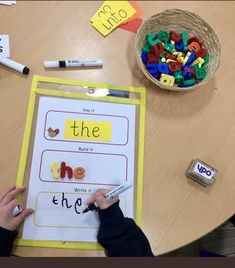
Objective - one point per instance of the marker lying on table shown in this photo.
(17, 210)
(14, 65)
(110, 195)
(72, 63)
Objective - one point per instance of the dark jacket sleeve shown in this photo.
(6, 241)
(120, 236)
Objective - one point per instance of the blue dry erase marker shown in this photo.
(110, 195)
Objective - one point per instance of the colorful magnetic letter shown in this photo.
(55, 167)
(79, 172)
(64, 169)
(167, 80)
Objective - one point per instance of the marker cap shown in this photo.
(51, 64)
(17, 210)
(25, 70)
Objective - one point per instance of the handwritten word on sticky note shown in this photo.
(111, 14)
(88, 130)
(4, 46)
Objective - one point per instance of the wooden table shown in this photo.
(179, 126)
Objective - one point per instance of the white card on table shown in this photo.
(4, 46)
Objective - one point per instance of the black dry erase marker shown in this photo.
(14, 65)
(110, 195)
(91, 207)
(72, 63)
(17, 210)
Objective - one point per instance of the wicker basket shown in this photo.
(180, 20)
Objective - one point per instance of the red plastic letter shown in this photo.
(64, 169)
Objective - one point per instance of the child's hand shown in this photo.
(8, 202)
(98, 197)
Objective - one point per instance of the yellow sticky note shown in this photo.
(101, 28)
(88, 130)
(101, 11)
(111, 14)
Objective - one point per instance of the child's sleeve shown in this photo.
(6, 241)
(121, 236)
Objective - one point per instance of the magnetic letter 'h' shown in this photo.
(63, 170)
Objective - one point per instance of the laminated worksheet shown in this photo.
(78, 139)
